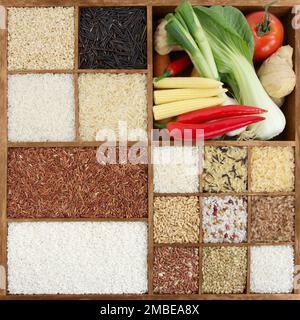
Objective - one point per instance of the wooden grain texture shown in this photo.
(3, 149)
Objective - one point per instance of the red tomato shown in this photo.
(268, 34)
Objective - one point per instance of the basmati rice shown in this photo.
(106, 99)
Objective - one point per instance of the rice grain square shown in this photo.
(224, 269)
(77, 257)
(40, 38)
(107, 99)
(225, 169)
(176, 169)
(272, 169)
(41, 107)
(272, 269)
(176, 219)
(176, 270)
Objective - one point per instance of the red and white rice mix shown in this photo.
(176, 169)
(225, 169)
(176, 270)
(70, 183)
(224, 269)
(273, 219)
(272, 269)
(176, 219)
(224, 219)
(272, 169)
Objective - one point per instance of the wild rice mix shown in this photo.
(224, 219)
(225, 169)
(40, 38)
(175, 270)
(224, 269)
(272, 169)
(70, 183)
(176, 219)
(273, 219)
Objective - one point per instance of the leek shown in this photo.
(230, 49)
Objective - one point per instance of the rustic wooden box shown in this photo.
(155, 10)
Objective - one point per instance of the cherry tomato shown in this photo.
(268, 33)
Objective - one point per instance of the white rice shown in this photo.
(272, 269)
(77, 257)
(41, 107)
(176, 169)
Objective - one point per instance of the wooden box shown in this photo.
(155, 10)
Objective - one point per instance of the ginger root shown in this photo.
(277, 75)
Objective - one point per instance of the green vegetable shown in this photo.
(231, 43)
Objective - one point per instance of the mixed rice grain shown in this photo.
(224, 269)
(225, 169)
(175, 270)
(224, 219)
(272, 169)
(273, 219)
(176, 219)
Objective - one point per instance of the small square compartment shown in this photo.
(176, 169)
(272, 169)
(273, 219)
(40, 38)
(225, 169)
(113, 38)
(271, 269)
(224, 219)
(224, 269)
(41, 107)
(176, 219)
(176, 270)
(107, 102)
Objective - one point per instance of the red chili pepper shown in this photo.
(219, 112)
(176, 67)
(211, 129)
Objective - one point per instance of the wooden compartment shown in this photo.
(155, 10)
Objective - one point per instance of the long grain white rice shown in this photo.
(106, 99)
(41, 107)
(77, 257)
(271, 269)
(176, 169)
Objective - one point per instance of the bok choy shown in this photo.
(220, 44)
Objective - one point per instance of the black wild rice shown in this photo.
(113, 38)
